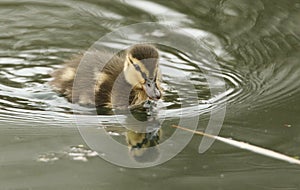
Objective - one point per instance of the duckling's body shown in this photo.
(127, 79)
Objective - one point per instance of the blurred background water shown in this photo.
(256, 43)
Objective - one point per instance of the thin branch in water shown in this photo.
(246, 146)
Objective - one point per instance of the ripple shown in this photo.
(270, 86)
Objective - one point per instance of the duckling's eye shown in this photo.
(148, 84)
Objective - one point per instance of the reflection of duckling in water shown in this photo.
(143, 146)
(126, 80)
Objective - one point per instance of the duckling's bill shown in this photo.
(152, 90)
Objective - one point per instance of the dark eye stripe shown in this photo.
(138, 68)
(130, 61)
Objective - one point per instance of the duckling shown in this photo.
(127, 80)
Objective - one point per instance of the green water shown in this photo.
(256, 43)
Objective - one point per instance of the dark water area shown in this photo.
(255, 43)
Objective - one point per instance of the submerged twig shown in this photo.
(246, 146)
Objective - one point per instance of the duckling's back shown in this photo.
(94, 78)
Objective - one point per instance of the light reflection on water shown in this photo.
(256, 44)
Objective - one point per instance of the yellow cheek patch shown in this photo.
(132, 76)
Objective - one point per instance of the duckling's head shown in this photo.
(141, 69)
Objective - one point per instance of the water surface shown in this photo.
(256, 43)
